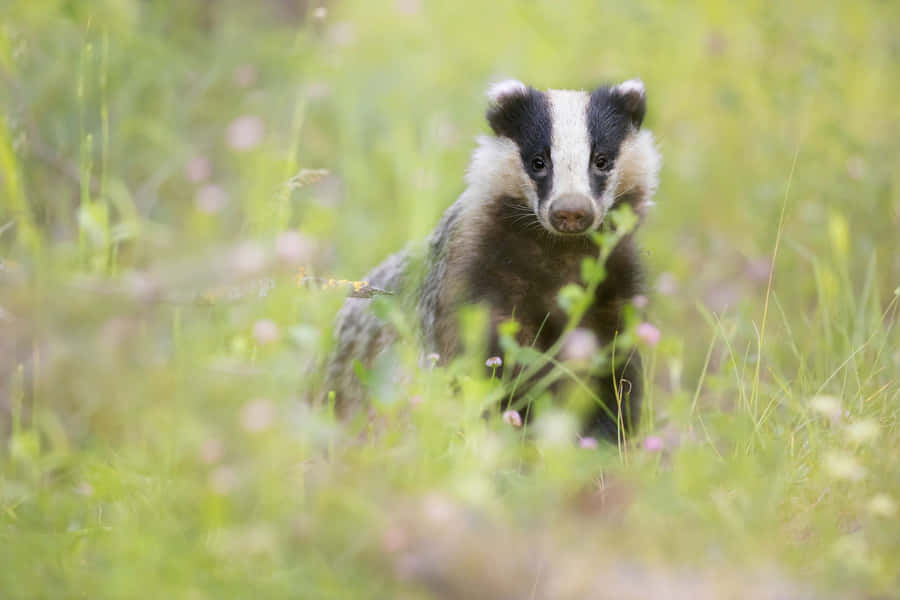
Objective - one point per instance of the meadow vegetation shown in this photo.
(177, 179)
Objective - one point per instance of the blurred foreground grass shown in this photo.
(158, 358)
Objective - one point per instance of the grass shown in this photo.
(159, 361)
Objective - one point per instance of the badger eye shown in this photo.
(538, 165)
(601, 163)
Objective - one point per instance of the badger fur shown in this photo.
(557, 163)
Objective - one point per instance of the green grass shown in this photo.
(158, 443)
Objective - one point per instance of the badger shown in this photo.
(559, 161)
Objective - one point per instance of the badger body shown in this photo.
(558, 163)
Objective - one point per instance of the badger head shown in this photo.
(569, 156)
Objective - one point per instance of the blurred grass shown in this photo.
(159, 441)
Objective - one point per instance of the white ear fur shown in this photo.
(504, 89)
(631, 87)
(634, 99)
(633, 92)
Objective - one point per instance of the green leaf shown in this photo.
(362, 373)
(25, 446)
(383, 307)
(527, 355)
(624, 219)
(592, 270)
(93, 220)
(508, 328)
(507, 331)
(569, 296)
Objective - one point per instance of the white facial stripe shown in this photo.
(571, 144)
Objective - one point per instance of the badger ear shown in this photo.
(506, 89)
(632, 98)
(506, 99)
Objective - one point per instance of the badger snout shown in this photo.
(572, 213)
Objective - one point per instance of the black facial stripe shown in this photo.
(608, 124)
(525, 119)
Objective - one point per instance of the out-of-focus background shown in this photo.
(169, 171)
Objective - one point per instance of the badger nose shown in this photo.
(572, 213)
